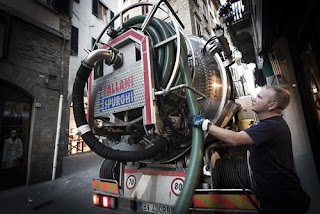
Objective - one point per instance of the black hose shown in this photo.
(246, 193)
(90, 139)
(226, 171)
(232, 173)
(244, 190)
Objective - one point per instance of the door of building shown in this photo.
(15, 112)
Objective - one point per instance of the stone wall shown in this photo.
(38, 63)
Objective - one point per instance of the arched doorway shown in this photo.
(15, 114)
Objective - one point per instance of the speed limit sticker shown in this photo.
(176, 186)
(131, 182)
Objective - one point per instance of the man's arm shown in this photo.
(225, 135)
(228, 136)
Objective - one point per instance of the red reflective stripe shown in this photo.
(217, 201)
(223, 201)
(245, 198)
(104, 186)
(197, 202)
(94, 184)
(115, 189)
(231, 201)
(249, 205)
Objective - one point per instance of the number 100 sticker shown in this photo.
(176, 186)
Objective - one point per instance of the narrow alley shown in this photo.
(70, 193)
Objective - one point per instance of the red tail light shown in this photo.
(104, 201)
(96, 200)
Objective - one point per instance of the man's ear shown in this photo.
(272, 106)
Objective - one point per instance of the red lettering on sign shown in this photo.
(118, 86)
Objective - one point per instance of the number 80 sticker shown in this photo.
(176, 186)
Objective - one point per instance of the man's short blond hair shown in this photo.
(281, 96)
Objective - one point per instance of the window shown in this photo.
(205, 12)
(57, 5)
(101, 11)
(144, 9)
(111, 17)
(198, 28)
(94, 46)
(45, 1)
(74, 41)
(197, 24)
(125, 18)
(4, 34)
(98, 68)
(211, 16)
(95, 7)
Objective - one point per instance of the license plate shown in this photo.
(153, 208)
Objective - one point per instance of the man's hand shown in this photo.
(199, 121)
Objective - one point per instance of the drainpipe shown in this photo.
(32, 122)
(56, 146)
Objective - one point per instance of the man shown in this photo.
(271, 159)
(12, 151)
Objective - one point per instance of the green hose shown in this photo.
(184, 201)
(160, 31)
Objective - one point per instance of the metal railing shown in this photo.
(235, 11)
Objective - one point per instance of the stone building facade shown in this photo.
(89, 18)
(199, 17)
(34, 58)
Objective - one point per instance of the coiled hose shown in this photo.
(227, 171)
(233, 173)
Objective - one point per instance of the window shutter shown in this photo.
(98, 68)
(95, 4)
(74, 40)
(111, 17)
(63, 6)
